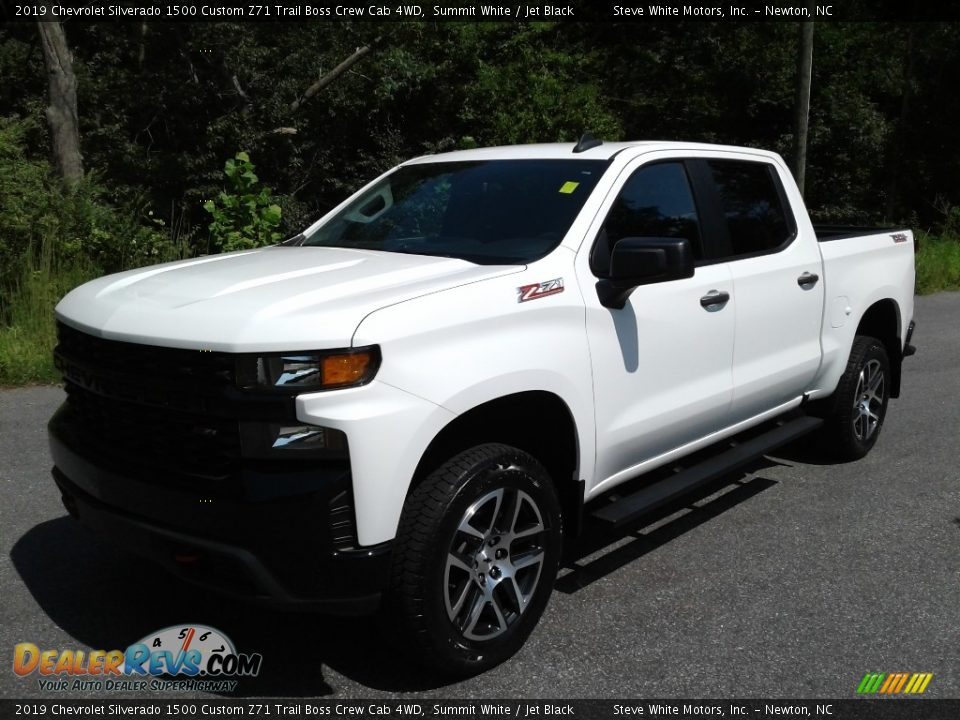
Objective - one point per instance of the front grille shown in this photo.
(190, 380)
(152, 441)
(164, 414)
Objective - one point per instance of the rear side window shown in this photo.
(655, 202)
(752, 204)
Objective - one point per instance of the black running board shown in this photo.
(631, 507)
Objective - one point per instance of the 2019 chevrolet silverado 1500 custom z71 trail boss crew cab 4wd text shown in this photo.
(429, 390)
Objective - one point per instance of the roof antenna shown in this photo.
(586, 142)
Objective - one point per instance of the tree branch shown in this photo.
(329, 77)
(240, 91)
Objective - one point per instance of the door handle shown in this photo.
(714, 298)
(807, 280)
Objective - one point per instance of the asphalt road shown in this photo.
(794, 582)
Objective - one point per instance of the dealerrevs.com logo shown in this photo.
(180, 657)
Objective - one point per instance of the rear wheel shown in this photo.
(859, 405)
(476, 557)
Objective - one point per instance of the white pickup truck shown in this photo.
(429, 393)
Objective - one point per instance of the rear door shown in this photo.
(776, 271)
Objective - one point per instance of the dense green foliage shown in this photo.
(243, 216)
(162, 105)
(53, 239)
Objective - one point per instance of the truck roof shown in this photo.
(564, 151)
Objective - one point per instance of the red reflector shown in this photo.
(186, 558)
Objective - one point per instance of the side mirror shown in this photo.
(643, 260)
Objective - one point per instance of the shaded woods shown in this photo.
(321, 107)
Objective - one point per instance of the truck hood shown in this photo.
(271, 299)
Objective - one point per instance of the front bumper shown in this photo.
(276, 537)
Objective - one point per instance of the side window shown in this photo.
(752, 205)
(655, 202)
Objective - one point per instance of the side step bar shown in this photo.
(632, 507)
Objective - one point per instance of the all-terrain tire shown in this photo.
(475, 559)
(855, 412)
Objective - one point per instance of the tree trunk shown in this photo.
(62, 110)
(802, 120)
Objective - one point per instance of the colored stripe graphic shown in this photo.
(890, 681)
(899, 687)
(913, 681)
(894, 683)
(918, 683)
(871, 683)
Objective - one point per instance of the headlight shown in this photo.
(299, 372)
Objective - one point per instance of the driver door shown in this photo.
(662, 365)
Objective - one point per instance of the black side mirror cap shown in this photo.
(639, 261)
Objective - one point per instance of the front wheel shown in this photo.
(475, 559)
(859, 405)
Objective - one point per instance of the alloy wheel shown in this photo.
(868, 400)
(494, 563)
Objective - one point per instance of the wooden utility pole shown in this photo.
(895, 145)
(802, 120)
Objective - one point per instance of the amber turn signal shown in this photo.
(346, 369)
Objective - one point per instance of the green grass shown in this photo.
(938, 264)
(27, 331)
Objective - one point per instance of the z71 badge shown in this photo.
(539, 290)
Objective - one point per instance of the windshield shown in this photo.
(491, 212)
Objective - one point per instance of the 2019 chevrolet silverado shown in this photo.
(427, 394)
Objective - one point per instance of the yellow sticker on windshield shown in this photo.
(568, 187)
